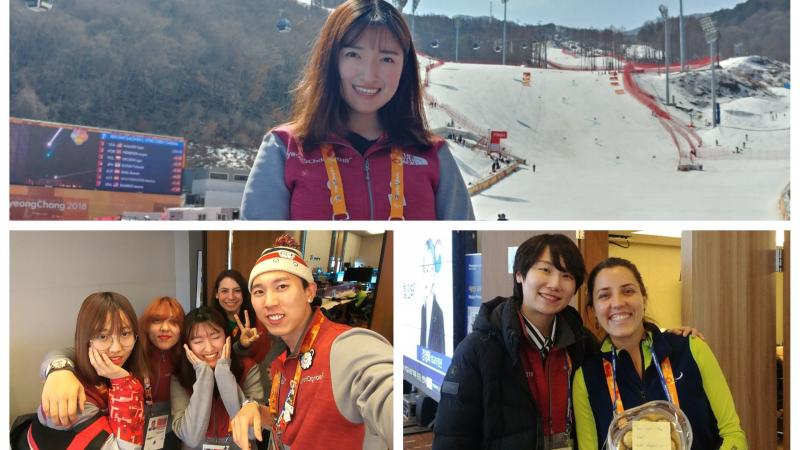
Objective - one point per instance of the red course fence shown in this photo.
(670, 123)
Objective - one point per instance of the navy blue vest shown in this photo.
(635, 392)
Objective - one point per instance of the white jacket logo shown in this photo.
(311, 378)
(286, 254)
(411, 160)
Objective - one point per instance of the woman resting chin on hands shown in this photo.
(210, 385)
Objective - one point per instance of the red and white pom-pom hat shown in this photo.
(285, 257)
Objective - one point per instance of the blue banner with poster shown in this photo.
(473, 287)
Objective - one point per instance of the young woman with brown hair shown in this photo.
(110, 364)
(357, 145)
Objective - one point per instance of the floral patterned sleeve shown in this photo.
(126, 409)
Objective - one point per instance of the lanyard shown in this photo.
(282, 419)
(397, 200)
(148, 391)
(665, 376)
(568, 370)
(335, 184)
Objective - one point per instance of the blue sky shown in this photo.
(573, 13)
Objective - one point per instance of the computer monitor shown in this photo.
(358, 274)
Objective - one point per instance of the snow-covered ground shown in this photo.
(556, 55)
(309, 3)
(754, 107)
(599, 154)
(228, 157)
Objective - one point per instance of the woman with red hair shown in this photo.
(162, 323)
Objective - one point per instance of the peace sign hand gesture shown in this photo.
(247, 335)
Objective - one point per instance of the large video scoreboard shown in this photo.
(71, 156)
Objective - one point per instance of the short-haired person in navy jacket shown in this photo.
(643, 364)
(508, 385)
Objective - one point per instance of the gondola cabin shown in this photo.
(284, 25)
(39, 5)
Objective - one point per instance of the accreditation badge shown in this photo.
(156, 431)
(158, 424)
(559, 441)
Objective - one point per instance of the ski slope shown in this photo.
(602, 155)
(559, 58)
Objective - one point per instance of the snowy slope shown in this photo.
(557, 56)
(602, 155)
(753, 102)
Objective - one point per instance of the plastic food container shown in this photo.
(620, 432)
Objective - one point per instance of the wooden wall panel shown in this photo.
(729, 294)
(594, 248)
(216, 260)
(248, 245)
(337, 250)
(786, 340)
(383, 313)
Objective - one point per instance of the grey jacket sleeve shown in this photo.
(232, 394)
(278, 347)
(190, 415)
(266, 196)
(252, 387)
(452, 198)
(62, 353)
(362, 380)
(89, 411)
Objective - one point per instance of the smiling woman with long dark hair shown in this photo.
(357, 123)
(638, 363)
